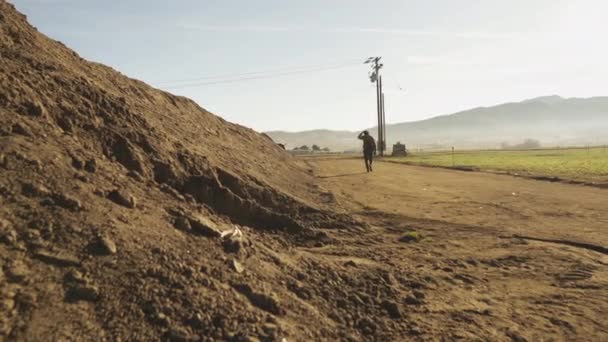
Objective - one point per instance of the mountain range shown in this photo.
(552, 120)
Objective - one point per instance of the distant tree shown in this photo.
(325, 149)
(304, 148)
(316, 148)
(528, 144)
(505, 145)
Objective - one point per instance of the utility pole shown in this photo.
(383, 125)
(376, 78)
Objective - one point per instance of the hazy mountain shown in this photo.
(552, 120)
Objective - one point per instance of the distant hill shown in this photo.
(552, 120)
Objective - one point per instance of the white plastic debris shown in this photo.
(235, 232)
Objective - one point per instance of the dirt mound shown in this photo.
(114, 197)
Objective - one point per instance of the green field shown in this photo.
(586, 165)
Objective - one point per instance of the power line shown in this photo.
(229, 78)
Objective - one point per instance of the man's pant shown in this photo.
(369, 158)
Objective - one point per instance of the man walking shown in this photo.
(369, 148)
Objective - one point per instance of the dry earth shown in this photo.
(476, 278)
(114, 197)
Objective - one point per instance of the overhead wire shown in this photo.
(231, 78)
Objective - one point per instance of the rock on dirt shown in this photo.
(234, 244)
(34, 108)
(204, 226)
(8, 234)
(105, 245)
(237, 266)
(120, 198)
(57, 258)
(392, 309)
(413, 300)
(67, 201)
(17, 271)
(266, 302)
(85, 292)
(182, 223)
(34, 190)
(90, 166)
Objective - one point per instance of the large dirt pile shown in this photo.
(113, 196)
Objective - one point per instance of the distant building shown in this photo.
(399, 150)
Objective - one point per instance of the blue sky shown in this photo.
(440, 56)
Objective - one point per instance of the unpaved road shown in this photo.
(476, 281)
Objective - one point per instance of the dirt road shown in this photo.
(470, 278)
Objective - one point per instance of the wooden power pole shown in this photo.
(375, 77)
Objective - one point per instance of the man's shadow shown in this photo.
(344, 175)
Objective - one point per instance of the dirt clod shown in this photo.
(57, 258)
(34, 190)
(121, 198)
(84, 292)
(106, 245)
(204, 226)
(17, 271)
(67, 201)
(392, 309)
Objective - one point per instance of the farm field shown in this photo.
(574, 164)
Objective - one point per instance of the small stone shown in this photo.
(34, 238)
(17, 272)
(266, 302)
(178, 334)
(67, 201)
(26, 299)
(392, 308)
(367, 326)
(85, 292)
(59, 259)
(419, 294)
(234, 244)
(90, 166)
(162, 319)
(8, 235)
(21, 130)
(411, 300)
(119, 198)
(77, 163)
(34, 190)
(81, 177)
(34, 108)
(271, 330)
(350, 263)
(204, 226)
(411, 236)
(7, 305)
(75, 276)
(415, 331)
(238, 267)
(135, 175)
(182, 223)
(106, 245)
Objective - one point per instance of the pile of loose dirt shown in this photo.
(113, 199)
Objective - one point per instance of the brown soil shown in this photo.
(114, 197)
(495, 257)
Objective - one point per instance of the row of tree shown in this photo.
(527, 144)
(315, 148)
